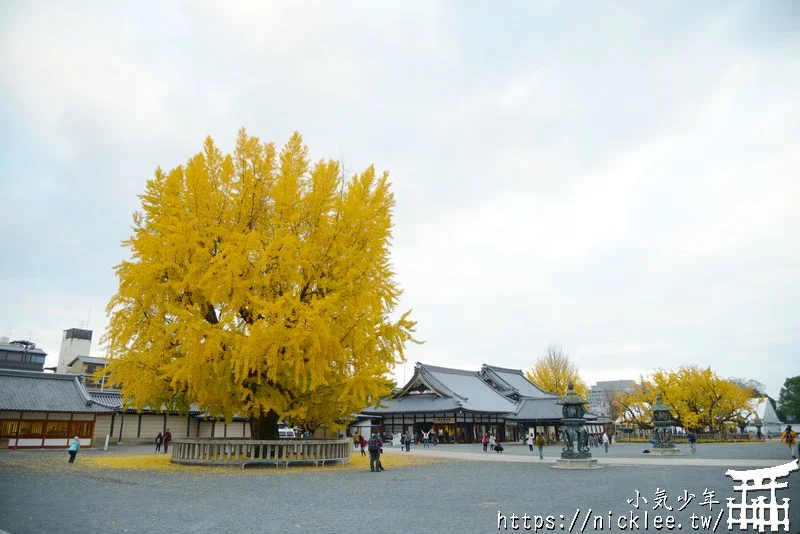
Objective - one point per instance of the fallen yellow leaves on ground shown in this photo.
(161, 462)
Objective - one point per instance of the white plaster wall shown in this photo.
(102, 426)
(205, 429)
(152, 424)
(177, 425)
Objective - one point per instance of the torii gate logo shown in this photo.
(760, 513)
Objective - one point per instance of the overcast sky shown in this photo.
(621, 179)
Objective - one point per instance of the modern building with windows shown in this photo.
(602, 394)
(21, 355)
(86, 366)
(460, 406)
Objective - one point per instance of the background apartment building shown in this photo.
(601, 395)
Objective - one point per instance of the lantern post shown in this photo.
(575, 452)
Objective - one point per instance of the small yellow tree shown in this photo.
(554, 372)
(260, 285)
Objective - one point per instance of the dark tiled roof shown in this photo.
(544, 409)
(513, 381)
(445, 390)
(537, 410)
(17, 347)
(414, 404)
(114, 398)
(45, 392)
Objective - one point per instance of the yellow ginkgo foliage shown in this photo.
(554, 372)
(259, 284)
(697, 397)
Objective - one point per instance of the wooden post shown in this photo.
(44, 429)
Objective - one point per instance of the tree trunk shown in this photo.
(265, 426)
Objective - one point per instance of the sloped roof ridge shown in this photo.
(505, 369)
(450, 370)
(36, 374)
(497, 378)
(494, 370)
(426, 375)
(524, 400)
(82, 391)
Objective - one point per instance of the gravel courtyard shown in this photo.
(41, 492)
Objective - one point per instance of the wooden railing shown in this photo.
(235, 452)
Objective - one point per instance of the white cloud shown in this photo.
(623, 181)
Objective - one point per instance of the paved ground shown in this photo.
(721, 454)
(40, 492)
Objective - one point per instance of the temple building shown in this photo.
(461, 406)
(44, 410)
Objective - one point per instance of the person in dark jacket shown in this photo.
(167, 439)
(159, 441)
(375, 447)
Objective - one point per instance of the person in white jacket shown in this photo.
(605, 441)
(426, 438)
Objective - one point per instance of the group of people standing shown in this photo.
(490, 443)
(163, 439)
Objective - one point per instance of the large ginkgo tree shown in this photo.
(259, 284)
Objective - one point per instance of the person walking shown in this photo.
(605, 441)
(356, 440)
(789, 438)
(159, 441)
(529, 441)
(167, 439)
(485, 442)
(692, 437)
(74, 447)
(363, 444)
(539, 442)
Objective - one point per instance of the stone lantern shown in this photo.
(758, 424)
(575, 452)
(662, 431)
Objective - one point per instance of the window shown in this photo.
(30, 429)
(57, 429)
(82, 429)
(8, 429)
(14, 356)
